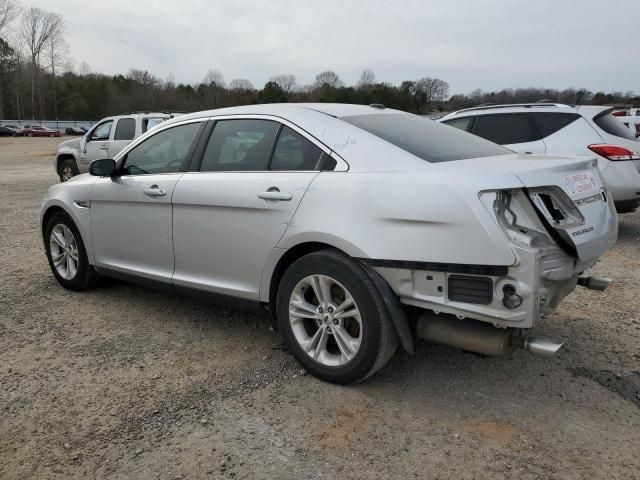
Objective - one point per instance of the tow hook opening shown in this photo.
(594, 283)
(510, 298)
(480, 337)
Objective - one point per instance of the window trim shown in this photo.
(196, 163)
(121, 158)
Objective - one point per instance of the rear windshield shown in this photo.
(613, 126)
(425, 138)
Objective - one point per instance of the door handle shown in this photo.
(275, 195)
(154, 191)
(103, 147)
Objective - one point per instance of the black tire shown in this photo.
(29, 134)
(85, 277)
(52, 135)
(67, 164)
(379, 339)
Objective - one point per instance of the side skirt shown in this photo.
(204, 296)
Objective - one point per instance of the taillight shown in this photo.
(614, 152)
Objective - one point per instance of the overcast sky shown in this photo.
(488, 44)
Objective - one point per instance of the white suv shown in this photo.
(557, 129)
(105, 140)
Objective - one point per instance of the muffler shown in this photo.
(594, 283)
(480, 337)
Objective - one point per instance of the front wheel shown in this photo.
(29, 134)
(67, 169)
(67, 255)
(52, 135)
(334, 319)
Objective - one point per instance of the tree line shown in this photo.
(38, 80)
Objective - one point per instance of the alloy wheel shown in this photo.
(67, 173)
(64, 251)
(325, 320)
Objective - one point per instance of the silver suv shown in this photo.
(555, 129)
(106, 139)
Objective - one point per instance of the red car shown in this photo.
(39, 131)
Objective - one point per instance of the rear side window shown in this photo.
(150, 122)
(461, 123)
(125, 129)
(239, 145)
(613, 126)
(549, 123)
(294, 152)
(505, 129)
(425, 138)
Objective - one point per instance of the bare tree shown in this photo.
(328, 78)
(55, 53)
(241, 84)
(432, 90)
(9, 11)
(84, 69)
(367, 78)
(37, 27)
(285, 81)
(214, 77)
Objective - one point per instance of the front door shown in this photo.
(131, 214)
(230, 215)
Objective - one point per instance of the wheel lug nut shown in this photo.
(319, 309)
(330, 309)
(335, 321)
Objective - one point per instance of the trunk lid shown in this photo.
(558, 187)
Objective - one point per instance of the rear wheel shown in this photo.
(333, 318)
(30, 134)
(67, 255)
(67, 170)
(52, 135)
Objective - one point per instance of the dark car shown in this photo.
(14, 129)
(75, 131)
(6, 132)
(39, 131)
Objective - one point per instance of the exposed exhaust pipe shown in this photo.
(594, 283)
(480, 337)
(540, 346)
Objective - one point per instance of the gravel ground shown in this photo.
(124, 382)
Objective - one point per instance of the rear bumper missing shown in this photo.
(518, 296)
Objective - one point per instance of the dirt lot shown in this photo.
(123, 382)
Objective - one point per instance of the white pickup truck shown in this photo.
(104, 140)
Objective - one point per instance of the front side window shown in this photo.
(102, 131)
(294, 152)
(164, 152)
(425, 138)
(461, 123)
(505, 129)
(125, 129)
(239, 145)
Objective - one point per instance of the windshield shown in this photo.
(425, 138)
(613, 126)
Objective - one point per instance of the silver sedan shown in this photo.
(359, 228)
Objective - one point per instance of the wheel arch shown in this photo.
(391, 300)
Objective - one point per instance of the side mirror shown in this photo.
(105, 167)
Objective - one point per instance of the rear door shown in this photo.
(515, 131)
(233, 209)
(125, 131)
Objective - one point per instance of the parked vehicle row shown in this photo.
(359, 228)
(37, 131)
(557, 129)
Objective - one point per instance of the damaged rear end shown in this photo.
(558, 224)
